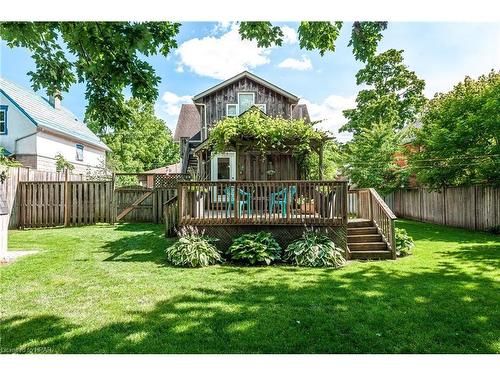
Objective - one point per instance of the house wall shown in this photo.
(18, 126)
(276, 104)
(270, 167)
(49, 145)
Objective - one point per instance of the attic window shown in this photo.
(79, 152)
(3, 119)
(231, 110)
(245, 101)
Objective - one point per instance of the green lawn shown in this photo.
(107, 289)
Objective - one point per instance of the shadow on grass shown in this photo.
(365, 311)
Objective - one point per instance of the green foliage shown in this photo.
(319, 35)
(62, 164)
(107, 56)
(495, 229)
(314, 250)
(332, 161)
(6, 162)
(365, 37)
(459, 140)
(264, 32)
(395, 95)
(193, 249)
(144, 143)
(255, 248)
(371, 158)
(404, 243)
(256, 131)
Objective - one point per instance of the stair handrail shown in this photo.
(384, 219)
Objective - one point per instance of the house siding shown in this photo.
(276, 104)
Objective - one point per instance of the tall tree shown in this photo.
(144, 143)
(395, 93)
(371, 158)
(109, 56)
(460, 135)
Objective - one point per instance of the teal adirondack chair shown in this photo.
(245, 199)
(280, 199)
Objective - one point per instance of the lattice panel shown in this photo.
(169, 181)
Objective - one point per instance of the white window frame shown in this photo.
(79, 147)
(262, 107)
(245, 93)
(236, 105)
(5, 126)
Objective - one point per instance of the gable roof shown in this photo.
(188, 123)
(252, 76)
(41, 113)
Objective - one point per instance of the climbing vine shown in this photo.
(257, 132)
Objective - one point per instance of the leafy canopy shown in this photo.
(395, 94)
(107, 56)
(319, 36)
(460, 135)
(144, 143)
(253, 130)
(371, 158)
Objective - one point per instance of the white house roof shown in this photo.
(42, 114)
(252, 76)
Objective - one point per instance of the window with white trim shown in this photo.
(245, 101)
(3, 119)
(79, 152)
(231, 110)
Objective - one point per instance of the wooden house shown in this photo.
(236, 191)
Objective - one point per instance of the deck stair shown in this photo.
(365, 242)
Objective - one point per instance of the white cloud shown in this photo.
(330, 111)
(171, 103)
(221, 57)
(289, 35)
(296, 64)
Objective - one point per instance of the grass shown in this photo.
(107, 289)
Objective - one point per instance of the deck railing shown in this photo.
(320, 203)
(370, 205)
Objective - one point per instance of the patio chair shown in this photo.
(280, 199)
(245, 199)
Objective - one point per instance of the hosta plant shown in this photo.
(404, 243)
(255, 248)
(314, 249)
(193, 249)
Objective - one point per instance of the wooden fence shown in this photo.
(149, 210)
(474, 207)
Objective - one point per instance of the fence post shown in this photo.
(66, 199)
(112, 205)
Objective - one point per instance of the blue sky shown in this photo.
(440, 53)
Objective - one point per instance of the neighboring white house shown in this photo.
(34, 130)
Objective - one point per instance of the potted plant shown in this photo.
(306, 205)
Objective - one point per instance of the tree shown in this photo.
(62, 164)
(109, 56)
(371, 158)
(460, 135)
(395, 95)
(319, 36)
(145, 143)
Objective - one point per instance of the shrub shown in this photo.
(404, 243)
(314, 250)
(494, 229)
(193, 249)
(255, 248)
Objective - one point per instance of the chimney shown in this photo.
(55, 100)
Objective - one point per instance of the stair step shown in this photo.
(363, 238)
(367, 246)
(375, 254)
(361, 230)
(359, 223)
